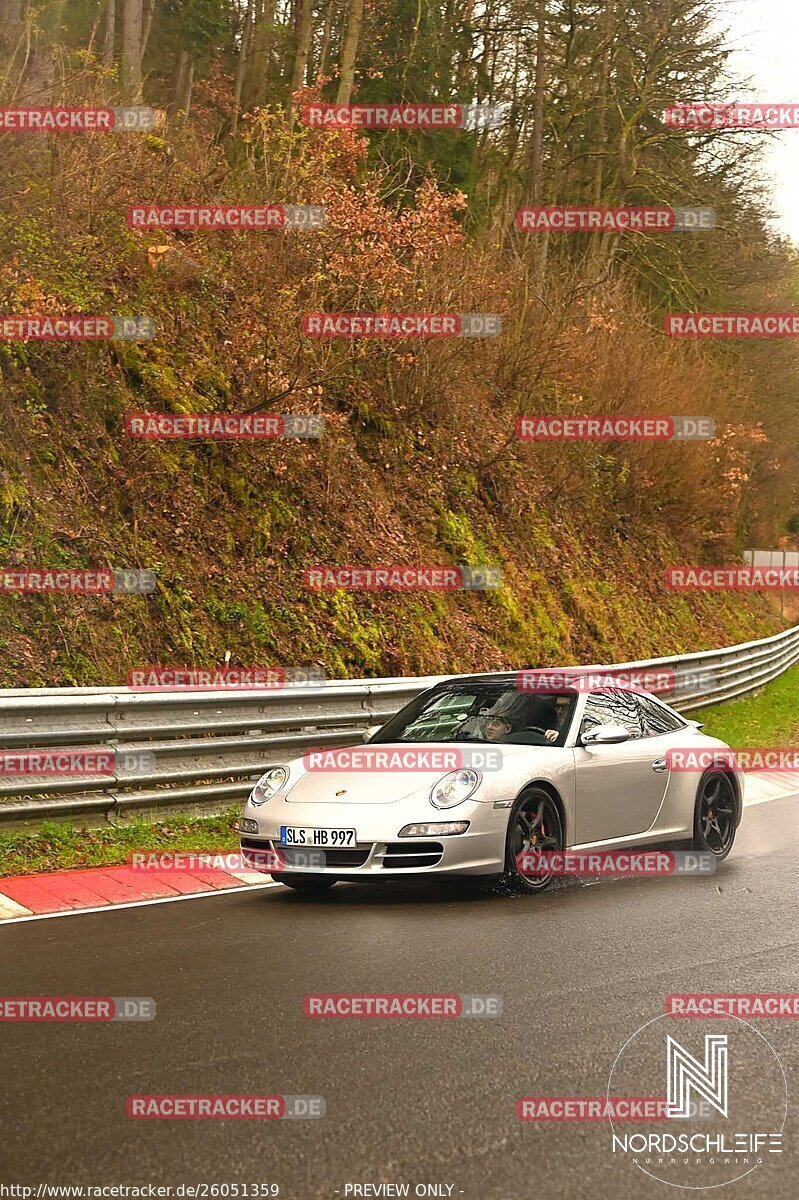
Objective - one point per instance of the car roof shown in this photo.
(471, 680)
(492, 680)
(487, 681)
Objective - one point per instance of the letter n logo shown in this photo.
(686, 1074)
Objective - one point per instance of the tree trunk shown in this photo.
(324, 49)
(465, 68)
(132, 19)
(188, 86)
(537, 150)
(599, 245)
(184, 80)
(304, 31)
(148, 24)
(602, 112)
(349, 52)
(259, 59)
(241, 66)
(40, 73)
(110, 33)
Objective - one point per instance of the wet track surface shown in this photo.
(578, 969)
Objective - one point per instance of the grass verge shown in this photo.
(56, 846)
(770, 718)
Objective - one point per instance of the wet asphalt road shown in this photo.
(425, 1102)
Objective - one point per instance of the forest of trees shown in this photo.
(581, 86)
(416, 221)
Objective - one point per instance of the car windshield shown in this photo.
(491, 713)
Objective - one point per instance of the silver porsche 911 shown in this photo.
(475, 773)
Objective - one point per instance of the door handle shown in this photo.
(660, 764)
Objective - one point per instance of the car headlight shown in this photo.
(454, 788)
(269, 785)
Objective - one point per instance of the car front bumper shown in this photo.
(379, 851)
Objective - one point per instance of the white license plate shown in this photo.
(293, 835)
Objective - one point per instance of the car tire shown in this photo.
(310, 884)
(535, 823)
(715, 814)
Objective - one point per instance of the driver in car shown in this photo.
(562, 707)
(513, 714)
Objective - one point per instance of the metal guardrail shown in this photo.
(205, 748)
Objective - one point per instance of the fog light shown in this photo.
(439, 829)
(248, 826)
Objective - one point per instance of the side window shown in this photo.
(657, 719)
(596, 712)
(628, 713)
(613, 708)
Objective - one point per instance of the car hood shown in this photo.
(390, 783)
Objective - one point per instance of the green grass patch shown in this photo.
(57, 846)
(769, 719)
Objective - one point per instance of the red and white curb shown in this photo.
(60, 893)
(763, 786)
(95, 889)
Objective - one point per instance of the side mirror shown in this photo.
(605, 735)
(369, 732)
